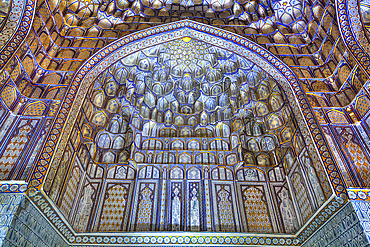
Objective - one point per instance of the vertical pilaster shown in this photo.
(162, 213)
(207, 199)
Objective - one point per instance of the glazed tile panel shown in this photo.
(30, 228)
(344, 229)
(143, 85)
(116, 177)
(153, 239)
(9, 203)
(149, 175)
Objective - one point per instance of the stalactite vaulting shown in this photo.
(217, 122)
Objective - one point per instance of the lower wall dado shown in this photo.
(22, 224)
(28, 227)
(345, 228)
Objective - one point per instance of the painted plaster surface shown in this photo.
(133, 126)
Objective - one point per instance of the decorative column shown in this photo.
(163, 198)
(207, 199)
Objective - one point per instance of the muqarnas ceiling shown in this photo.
(263, 15)
(185, 136)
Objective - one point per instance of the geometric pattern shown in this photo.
(302, 197)
(30, 216)
(35, 109)
(4, 10)
(114, 209)
(8, 95)
(299, 181)
(256, 210)
(71, 190)
(15, 147)
(356, 154)
(29, 227)
(337, 117)
(344, 229)
(265, 160)
(145, 208)
(226, 204)
(225, 208)
(362, 105)
(108, 130)
(360, 161)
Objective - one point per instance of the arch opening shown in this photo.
(190, 127)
